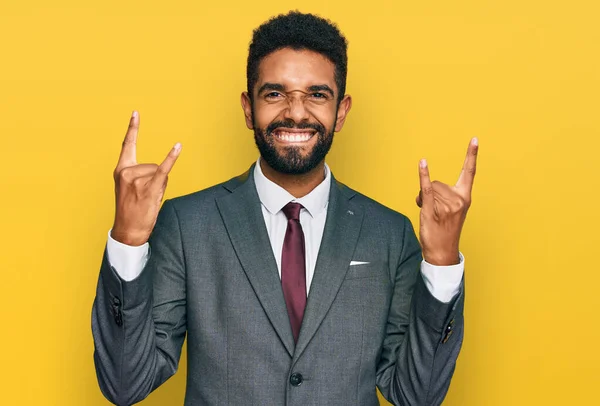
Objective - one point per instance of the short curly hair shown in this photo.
(299, 31)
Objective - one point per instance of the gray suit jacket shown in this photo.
(212, 274)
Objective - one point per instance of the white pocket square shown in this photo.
(358, 263)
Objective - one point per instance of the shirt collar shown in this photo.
(274, 197)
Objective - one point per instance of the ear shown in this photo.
(343, 109)
(247, 107)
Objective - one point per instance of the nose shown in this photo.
(296, 110)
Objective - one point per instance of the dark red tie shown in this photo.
(293, 267)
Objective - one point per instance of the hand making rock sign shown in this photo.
(444, 209)
(139, 189)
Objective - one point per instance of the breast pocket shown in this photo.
(369, 270)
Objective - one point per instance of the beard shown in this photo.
(291, 161)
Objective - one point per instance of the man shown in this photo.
(293, 289)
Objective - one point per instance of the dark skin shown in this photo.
(296, 86)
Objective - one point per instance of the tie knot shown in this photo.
(292, 211)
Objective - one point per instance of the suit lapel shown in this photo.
(243, 218)
(342, 228)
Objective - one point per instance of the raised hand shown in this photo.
(444, 209)
(139, 189)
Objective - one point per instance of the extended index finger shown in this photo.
(128, 150)
(467, 175)
(165, 167)
(426, 187)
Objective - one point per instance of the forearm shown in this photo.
(419, 351)
(139, 326)
(128, 363)
(421, 370)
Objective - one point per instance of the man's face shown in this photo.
(294, 112)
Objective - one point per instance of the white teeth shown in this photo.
(292, 137)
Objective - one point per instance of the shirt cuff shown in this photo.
(443, 282)
(127, 260)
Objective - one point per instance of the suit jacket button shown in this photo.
(116, 310)
(449, 327)
(296, 379)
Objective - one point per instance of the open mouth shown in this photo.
(293, 135)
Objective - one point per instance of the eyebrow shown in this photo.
(321, 88)
(280, 88)
(271, 86)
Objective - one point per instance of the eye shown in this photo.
(319, 95)
(273, 95)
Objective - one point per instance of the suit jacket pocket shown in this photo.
(371, 270)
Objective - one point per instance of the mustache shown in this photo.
(290, 124)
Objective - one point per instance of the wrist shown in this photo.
(128, 238)
(442, 259)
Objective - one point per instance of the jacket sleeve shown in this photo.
(139, 326)
(423, 335)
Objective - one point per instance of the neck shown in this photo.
(296, 185)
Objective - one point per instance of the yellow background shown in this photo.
(523, 76)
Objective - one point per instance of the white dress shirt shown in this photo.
(442, 281)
